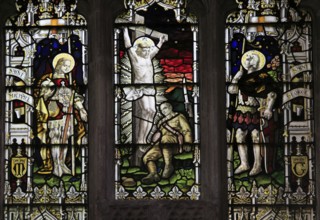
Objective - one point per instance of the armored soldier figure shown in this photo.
(55, 116)
(256, 95)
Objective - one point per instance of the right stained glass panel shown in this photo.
(269, 111)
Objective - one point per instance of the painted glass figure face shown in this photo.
(63, 66)
(252, 62)
(166, 109)
(143, 51)
(66, 66)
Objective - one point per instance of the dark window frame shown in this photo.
(213, 203)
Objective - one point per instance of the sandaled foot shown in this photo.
(241, 169)
(151, 178)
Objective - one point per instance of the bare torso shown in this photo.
(142, 68)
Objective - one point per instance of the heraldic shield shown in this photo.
(19, 166)
(299, 165)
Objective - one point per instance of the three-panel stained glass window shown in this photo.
(269, 111)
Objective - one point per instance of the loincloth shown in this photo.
(135, 92)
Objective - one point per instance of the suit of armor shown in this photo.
(55, 122)
(256, 95)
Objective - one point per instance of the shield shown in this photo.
(19, 166)
(299, 165)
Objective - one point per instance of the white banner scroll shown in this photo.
(299, 69)
(298, 92)
(24, 97)
(18, 73)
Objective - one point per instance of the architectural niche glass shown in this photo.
(46, 111)
(270, 132)
(157, 153)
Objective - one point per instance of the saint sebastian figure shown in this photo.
(141, 54)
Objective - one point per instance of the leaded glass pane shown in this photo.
(270, 127)
(46, 147)
(157, 148)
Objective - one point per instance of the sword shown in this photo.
(263, 147)
(65, 134)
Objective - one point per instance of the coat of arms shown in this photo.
(299, 165)
(19, 166)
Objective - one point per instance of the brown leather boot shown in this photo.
(150, 178)
(168, 167)
(167, 171)
(153, 176)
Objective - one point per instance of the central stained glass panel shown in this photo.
(157, 147)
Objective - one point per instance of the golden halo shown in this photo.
(262, 59)
(65, 56)
(144, 42)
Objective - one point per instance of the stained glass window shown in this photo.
(157, 151)
(270, 125)
(46, 147)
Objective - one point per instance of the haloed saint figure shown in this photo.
(249, 108)
(55, 116)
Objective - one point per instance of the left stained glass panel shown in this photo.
(46, 119)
